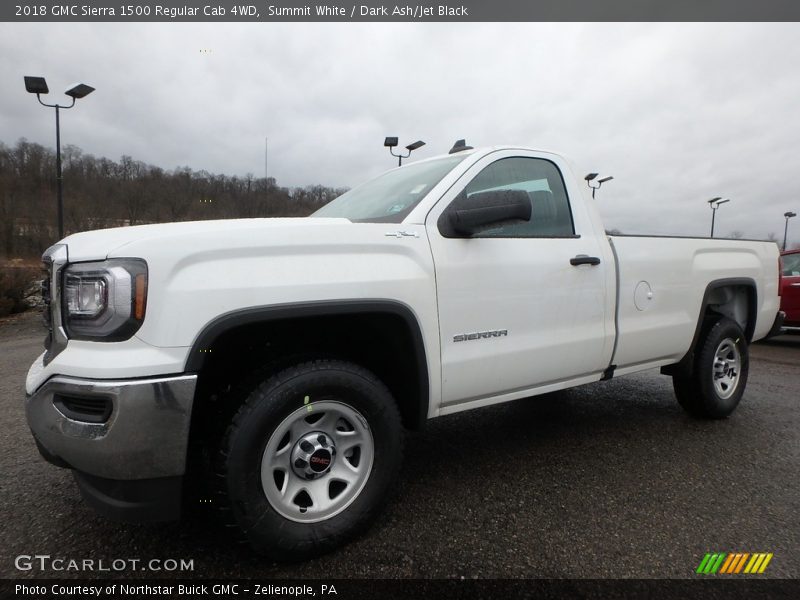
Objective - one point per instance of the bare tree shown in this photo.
(104, 193)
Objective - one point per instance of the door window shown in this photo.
(541, 180)
(791, 265)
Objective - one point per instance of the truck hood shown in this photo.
(201, 270)
(131, 241)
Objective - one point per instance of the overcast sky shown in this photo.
(677, 113)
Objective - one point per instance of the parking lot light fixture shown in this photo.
(714, 205)
(38, 86)
(787, 215)
(79, 90)
(592, 177)
(392, 142)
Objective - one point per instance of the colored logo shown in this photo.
(734, 563)
(320, 460)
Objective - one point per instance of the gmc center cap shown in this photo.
(313, 454)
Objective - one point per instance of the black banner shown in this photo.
(387, 11)
(108, 589)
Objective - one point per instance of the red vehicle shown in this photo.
(790, 288)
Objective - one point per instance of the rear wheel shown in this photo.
(719, 377)
(309, 458)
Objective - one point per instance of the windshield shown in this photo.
(390, 197)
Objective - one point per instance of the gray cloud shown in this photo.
(678, 113)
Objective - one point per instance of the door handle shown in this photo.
(583, 259)
(794, 285)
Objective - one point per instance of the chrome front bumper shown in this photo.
(145, 436)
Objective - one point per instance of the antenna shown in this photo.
(459, 146)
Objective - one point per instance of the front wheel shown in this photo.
(309, 458)
(719, 377)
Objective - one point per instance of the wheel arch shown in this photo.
(735, 298)
(388, 324)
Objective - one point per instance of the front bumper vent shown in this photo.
(87, 410)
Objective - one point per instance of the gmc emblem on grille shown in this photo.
(480, 335)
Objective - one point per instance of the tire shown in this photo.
(308, 460)
(719, 376)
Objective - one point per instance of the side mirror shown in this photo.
(468, 215)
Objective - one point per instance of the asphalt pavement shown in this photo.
(608, 480)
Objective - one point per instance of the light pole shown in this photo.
(714, 205)
(37, 85)
(391, 142)
(788, 216)
(591, 177)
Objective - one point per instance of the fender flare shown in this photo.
(684, 366)
(328, 308)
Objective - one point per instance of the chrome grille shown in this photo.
(54, 260)
(47, 315)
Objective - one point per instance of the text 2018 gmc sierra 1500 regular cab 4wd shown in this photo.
(281, 359)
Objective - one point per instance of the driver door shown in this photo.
(514, 312)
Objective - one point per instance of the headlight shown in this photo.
(104, 301)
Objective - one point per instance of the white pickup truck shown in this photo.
(281, 359)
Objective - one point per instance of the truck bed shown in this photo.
(661, 283)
